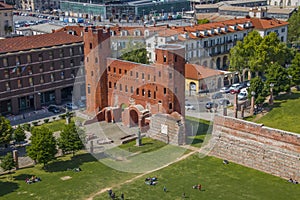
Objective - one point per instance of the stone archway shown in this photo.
(225, 64)
(219, 82)
(218, 63)
(212, 61)
(134, 118)
(192, 88)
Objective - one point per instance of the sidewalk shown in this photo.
(29, 116)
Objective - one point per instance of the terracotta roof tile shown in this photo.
(197, 72)
(37, 41)
(4, 6)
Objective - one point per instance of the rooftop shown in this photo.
(37, 41)
(4, 6)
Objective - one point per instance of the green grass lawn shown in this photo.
(56, 125)
(198, 130)
(148, 145)
(284, 114)
(218, 181)
(94, 176)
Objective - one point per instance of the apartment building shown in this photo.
(6, 19)
(39, 70)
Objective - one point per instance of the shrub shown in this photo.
(46, 120)
(26, 127)
(35, 123)
(53, 118)
(62, 116)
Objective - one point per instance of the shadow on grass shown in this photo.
(196, 128)
(7, 187)
(287, 96)
(75, 162)
(22, 177)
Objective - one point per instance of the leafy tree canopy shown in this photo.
(19, 134)
(135, 52)
(8, 163)
(257, 53)
(5, 130)
(70, 140)
(277, 75)
(203, 21)
(294, 29)
(294, 70)
(257, 86)
(43, 145)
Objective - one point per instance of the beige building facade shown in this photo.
(6, 19)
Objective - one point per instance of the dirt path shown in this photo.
(138, 176)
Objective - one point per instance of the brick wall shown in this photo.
(253, 145)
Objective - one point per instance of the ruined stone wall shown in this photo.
(175, 129)
(253, 145)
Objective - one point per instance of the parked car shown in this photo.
(189, 107)
(71, 106)
(54, 109)
(242, 96)
(217, 95)
(81, 104)
(235, 88)
(210, 105)
(224, 102)
(225, 89)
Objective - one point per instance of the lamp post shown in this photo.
(252, 103)
(143, 14)
(271, 94)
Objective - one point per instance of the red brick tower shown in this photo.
(171, 60)
(96, 50)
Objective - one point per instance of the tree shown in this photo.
(294, 29)
(43, 145)
(5, 130)
(257, 86)
(8, 163)
(19, 134)
(138, 56)
(294, 70)
(70, 140)
(203, 21)
(242, 54)
(277, 75)
(257, 53)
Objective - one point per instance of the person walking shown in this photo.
(165, 189)
(122, 196)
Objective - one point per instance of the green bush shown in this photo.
(62, 116)
(35, 123)
(26, 127)
(46, 120)
(53, 118)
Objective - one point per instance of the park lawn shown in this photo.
(218, 181)
(148, 145)
(198, 130)
(284, 114)
(94, 176)
(57, 125)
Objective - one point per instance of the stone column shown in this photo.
(242, 111)
(58, 96)
(225, 111)
(235, 105)
(15, 105)
(252, 105)
(16, 158)
(92, 146)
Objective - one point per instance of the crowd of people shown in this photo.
(151, 181)
(112, 195)
(33, 179)
(292, 181)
